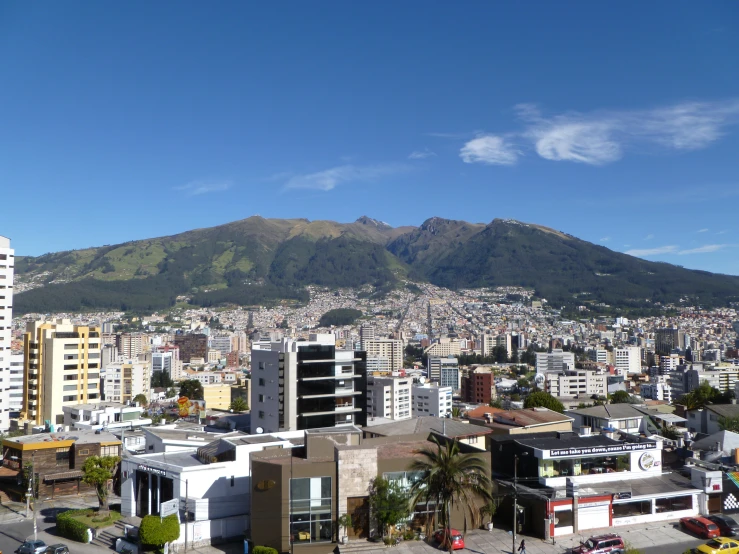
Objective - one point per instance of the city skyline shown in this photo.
(617, 129)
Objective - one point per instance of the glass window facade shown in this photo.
(310, 510)
(570, 467)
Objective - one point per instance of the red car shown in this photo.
(457, 538)
(700, 526)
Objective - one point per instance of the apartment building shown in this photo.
(600, 355)
(668, 339)
(390, 349)
(444, 348)
(123, 381)
(222, 343)
(191, 346)
(61, 368)
(444, 371)
(430, 399)
(217, 396)
(487, 343)
(557, 360)
(7, 265)
(167, 358)
(660, 390)
(15, 389)
(366, 332)
(580, 383)
(130, 345)
(627, 360)
(389, 397)
(309, 384)
(478, 386)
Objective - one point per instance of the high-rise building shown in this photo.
(62, 368)
(366, 332)
(478, 386)
(222, 343)
(7, 264)
(126, 380)
(389, 397)
(668, 339)
(385, 348)
(487, 343)
(556, 360)
(444, 371)
(192, 346)
(431, 400)
(307, 385)
(15, 392)
(129, 345)
(627, 360)
(445, 347)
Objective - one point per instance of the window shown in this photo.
(109, 450)
(261, 398)
(310, 510)
(261, 414)
(62, 457)
(261, 365)
(85, 452)
(261, 382)
(636, 508)
(674, 504)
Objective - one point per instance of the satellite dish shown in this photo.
(259, 430)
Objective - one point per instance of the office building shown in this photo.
(487, 343)
(62, 368)
(668, 339)
(429, 399)
(130, 345)
(444, 348)
(389, 397)
(366, 332)
(124, 381)
(222, 343)
(309, 384)
(627, 360)
(600, 355)
(556, 360)
(7, 265)
(444, 371)
(580, 383)
(478, 386)
(390, 349)
(191, 346)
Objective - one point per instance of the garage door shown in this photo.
(593, 517)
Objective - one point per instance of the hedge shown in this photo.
(264, 550)
(70, 528)
(152, 532)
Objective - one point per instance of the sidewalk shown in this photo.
(500, 541)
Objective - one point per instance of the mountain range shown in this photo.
(261, 261)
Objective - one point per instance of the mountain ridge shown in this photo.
(271, 259)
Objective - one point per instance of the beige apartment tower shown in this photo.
(61, 368)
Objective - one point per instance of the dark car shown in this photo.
(31, 547)
(700, 526)
(602, 544)
(57, 549)
(726, 525)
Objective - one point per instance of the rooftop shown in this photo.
(427, 424)
(530, 416)
(79, 437)
(609, 411)
(724, 410)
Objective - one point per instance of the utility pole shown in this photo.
(186, 513)
(515, 501)
(33, 492)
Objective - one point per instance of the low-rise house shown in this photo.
(518, 422)
(707, 420)
(105, 415)
(619, 417)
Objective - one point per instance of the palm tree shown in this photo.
(450, 478)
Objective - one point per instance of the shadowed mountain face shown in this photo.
(258, 261)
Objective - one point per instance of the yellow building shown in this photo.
(61, 365)
(217, 397)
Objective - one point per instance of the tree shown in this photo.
(729, 424)
(97, 471)
(239, 405)
(450, 479)
(156, 532)
(192, 388)
(141, 400)
(500, 354)
(456, 412)
(171, 392)
(160, 379)
(702, 395)
(496, 403)
(543, 400)
(522, 382)
(388, 502)
(621, 397)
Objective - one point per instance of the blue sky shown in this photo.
(617, 123)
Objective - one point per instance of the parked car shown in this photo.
(700, 526)
(31, 547)
(457, 538)
(719, 545)
(602, 544)
(56, 549)
(727, 526)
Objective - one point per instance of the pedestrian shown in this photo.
(522, 548)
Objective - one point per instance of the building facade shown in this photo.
(7, 265)
(578, 383)
(389, 397)
(191, 346)
(61, 368)
(478, 386)
(431, 400)
(391, 349)
(557, 360)
(124, 381)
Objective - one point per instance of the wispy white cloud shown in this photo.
(490, 150)
(421, 154)
(650, 236)
(705, 249)
(703, 230)
(601, 137)
(329, 179)
(605, 239)
(196, 188)
(652, 251)
(723, 232)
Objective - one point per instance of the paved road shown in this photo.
(13, 534)
(677, 548)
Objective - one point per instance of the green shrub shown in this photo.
(70, 528)
(264, 550)
(153, 532)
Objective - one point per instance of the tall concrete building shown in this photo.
(478, 386)
(385, 348)
(191, 346)
(7, 263)
(627, 360)
(366, 332)
(444, 371)
(62, 368)
(126, 380)
(15, 394)
(580, 383)
(309, 384)
(487, 343)
(130, 345)
(668, 339)
(556, 360)
(431, 400)
(389, 397)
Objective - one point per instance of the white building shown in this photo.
(556, 360)
(627, 360)
(444, 348)
(105, 415)
(444, 371)
(432, 400)
(124, 381)
(205, 377)
(15, 392)
(389, 397)
(7, 264)
(580, 383)
(659, 390)
(600, 355)
(222, 343)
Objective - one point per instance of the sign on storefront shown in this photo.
(594, 450)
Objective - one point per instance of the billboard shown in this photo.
(187, 407)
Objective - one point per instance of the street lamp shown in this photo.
(515, 498)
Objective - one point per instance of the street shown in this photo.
(12, 534)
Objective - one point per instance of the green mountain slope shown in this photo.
(258, 261)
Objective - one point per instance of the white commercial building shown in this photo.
(600, 355)
(578, 383)
(105, 415)
(627, 360)
(7, 264)
(660, 390)
(556, 360)
(389, 397)
(431, 400)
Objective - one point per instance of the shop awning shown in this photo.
(63, 476)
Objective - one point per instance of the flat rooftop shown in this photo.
(79, 437)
